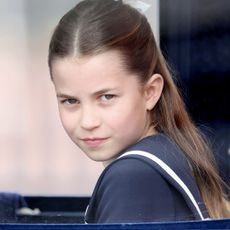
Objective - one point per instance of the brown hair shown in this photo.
(94, 27)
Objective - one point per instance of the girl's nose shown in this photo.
(89, 118)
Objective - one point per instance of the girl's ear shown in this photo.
(152, 90)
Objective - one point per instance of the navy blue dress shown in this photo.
(150, 181)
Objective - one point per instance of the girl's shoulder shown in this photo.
(157, 162)
(152, 155)
(131, 189)
(136, 182)
(163, 154)
(162, 147)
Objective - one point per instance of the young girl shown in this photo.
(119, 104)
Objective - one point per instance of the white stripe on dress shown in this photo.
(170, 172)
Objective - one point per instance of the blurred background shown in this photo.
(36, 156)
(195, 38)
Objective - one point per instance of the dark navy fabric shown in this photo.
(165, 149)
(9, 203)
(134, 189)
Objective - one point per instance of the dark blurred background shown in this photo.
(195, 39)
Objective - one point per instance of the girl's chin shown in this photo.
(95, 157)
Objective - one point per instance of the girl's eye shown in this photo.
(107, 97)
(69, 101)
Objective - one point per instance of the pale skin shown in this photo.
(103, 108)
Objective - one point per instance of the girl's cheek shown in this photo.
(67, 121)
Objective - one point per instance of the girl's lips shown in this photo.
(94, 142)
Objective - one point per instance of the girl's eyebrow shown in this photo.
(99, 92)
(102, 91)
(63, 95)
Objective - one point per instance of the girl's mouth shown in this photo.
(94, 142)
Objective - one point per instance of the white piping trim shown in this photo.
(86, 210)
(170, 172)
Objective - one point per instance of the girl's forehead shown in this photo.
(91, 74)
(112, 57)
(108, 63)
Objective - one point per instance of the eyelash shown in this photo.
(69, 101)
(111, 96)
(103, 98)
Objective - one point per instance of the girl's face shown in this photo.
(102, 107)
